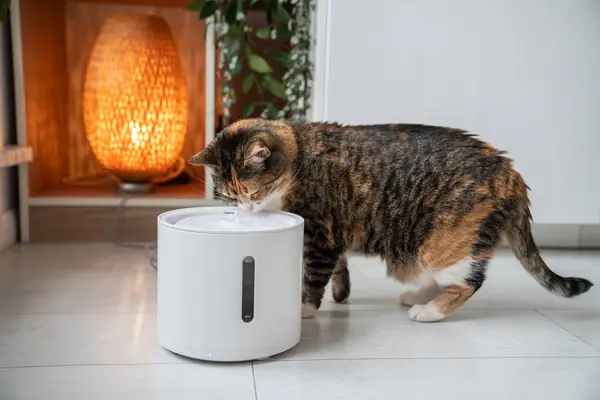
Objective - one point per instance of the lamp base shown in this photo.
(136, 187)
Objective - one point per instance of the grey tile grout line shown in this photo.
(405, 308)
(74, 313)
(400, 308)
(565, 329)
(343, 307)
(208, 364)
(254, 380)
(140, 364)
(436, 358)
(10, 314)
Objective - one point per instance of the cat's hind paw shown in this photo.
(425, 313)
(308, 310)
(422, 295)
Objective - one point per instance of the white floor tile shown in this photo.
(489, 379)
(76, 339)
(127, 294)
(472, 333)
(583, 324)
(104, 279)
(84, 316)
(508, 286)
(125, 382)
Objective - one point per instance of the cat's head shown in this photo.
(250, 161)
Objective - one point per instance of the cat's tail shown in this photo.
(524, 247)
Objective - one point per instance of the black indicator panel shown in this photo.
(248, 267)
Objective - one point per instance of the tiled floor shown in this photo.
(78, 322)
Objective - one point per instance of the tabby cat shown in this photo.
(432, 202)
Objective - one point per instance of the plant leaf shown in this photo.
(233, 43)
(240, 10)
(274, 86)
(282, 58)
(258, 64)
(237, 69)
(234, 29)
(253, 2)
(230, 14)
(269, 15)
(263, 33)
(195, 5)
(284, 33)
(4, 9)
(248, 50)
(208, 10)
(248, 110)
(272, 110)
(282, 14)
(247, 83)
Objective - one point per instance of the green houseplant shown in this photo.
(4, 7)
(239, 44)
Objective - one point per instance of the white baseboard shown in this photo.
(559, 236)
(8, 229)
(567, 236)
(589, 237)
(546, 235)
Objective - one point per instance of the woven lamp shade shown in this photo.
(135, 102)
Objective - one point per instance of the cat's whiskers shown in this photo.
(216, 196)
(200, 180)
(293, 181)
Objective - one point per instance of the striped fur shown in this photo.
(432, 202)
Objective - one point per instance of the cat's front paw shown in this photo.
(308, 310)
(425, 313)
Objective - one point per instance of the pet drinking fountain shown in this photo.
(229, 282)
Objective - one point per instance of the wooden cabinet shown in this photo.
(52, 42)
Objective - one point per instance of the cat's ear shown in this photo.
(256, 154)
(206, 157)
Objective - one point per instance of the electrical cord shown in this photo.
(150, 249)
(103, 178)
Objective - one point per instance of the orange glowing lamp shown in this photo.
(135, 101)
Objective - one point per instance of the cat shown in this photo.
(432, 202)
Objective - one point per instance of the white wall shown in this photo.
(525, 75)
(8, 183)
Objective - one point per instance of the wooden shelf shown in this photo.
(52, 43)
(187, 195)
(75, 213)
(159, 3)
(11, 156)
